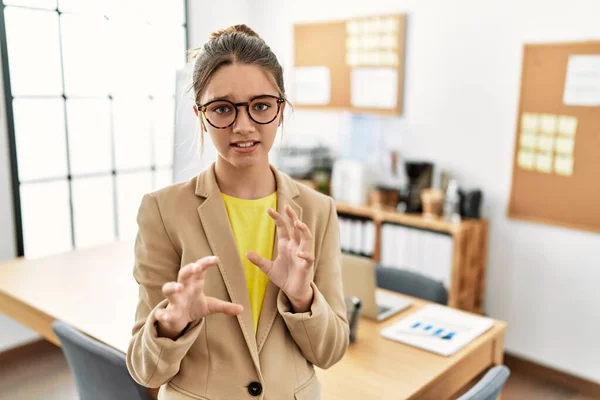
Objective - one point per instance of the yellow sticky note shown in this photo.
(363, 42)
(526, 159)
(526, 131)
(543, 162)
(390, 41)
(392, 58)
(548, 124)
(352, 59)
(563, 165)
(352, 43)
(529, 122)
(567, 126)
(565, 145)
(372, 42)
(360, 58)
(364, 26)
(392, 24)
(352, 27)
(545, 143)
(527, 141)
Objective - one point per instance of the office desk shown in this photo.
(94, 291)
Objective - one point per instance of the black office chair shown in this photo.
(100, 371)
(411, 283)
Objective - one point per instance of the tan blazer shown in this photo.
(219, 357)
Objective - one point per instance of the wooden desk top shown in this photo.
(94, 290)
(395, 370)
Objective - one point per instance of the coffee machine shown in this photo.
(420, 175)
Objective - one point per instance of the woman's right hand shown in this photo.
(187, 302)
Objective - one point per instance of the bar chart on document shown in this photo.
(438, 329)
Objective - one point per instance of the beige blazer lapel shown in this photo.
(215, 222)
(286, 192)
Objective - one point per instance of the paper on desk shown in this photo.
(374, 87)
(582, 86)
(312, 85)
(426, 327)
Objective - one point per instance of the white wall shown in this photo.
(13, 334)
(207, 17)
(463, 66)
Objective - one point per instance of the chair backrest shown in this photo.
(490, 386)
(100, 371)
(411, 283)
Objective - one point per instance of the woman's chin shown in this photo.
(246, 160)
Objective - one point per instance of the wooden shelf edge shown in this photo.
(416, 220)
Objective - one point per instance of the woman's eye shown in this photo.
(221, 109)
(261, 107)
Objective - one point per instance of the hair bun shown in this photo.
(232, 29)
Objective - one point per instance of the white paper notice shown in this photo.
(312, 85)
(582, 86)
(374, 87)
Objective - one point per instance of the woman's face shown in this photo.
(245, 143)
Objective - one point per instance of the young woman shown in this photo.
(240, 289)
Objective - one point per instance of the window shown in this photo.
(89, 89)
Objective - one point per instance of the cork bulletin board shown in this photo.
(368, 50)
(556, 164)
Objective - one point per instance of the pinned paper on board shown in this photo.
(528, 140)
(543, 162)
(563, 165)
(582, 85)
(526, 159)
(374, 87)
(567, 126)
(547, 143)
(312, 85)
(372, 41)
(556, 181)
(548, 124)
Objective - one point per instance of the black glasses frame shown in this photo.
(204, 107)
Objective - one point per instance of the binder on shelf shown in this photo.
(356, 236)
(425, 252)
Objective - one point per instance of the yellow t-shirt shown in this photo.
(254, 230)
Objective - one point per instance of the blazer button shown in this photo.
(255, 388)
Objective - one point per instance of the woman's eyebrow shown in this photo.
(262, 95)
(227, 97)
(230, 98)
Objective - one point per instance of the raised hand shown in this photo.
(292, 270)
(186, 299)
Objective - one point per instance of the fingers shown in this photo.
(161, 315)
(262, 263)
(294, 219)
(224, 307)
(196, 270)
(283, 230)
(172, 291)
(171, 288)
(306, 237)
(168, 316)
(306, 256)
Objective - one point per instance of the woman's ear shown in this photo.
(197, 112)
(281, 114)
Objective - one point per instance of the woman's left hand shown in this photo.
(293, 269)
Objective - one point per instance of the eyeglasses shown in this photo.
(222, 114)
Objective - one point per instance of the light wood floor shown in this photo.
(45, 375)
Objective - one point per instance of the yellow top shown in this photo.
(254, 230)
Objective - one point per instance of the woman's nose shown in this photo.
(243, 124)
